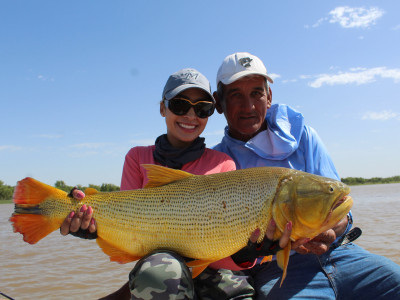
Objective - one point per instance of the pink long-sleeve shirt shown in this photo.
(212, 161)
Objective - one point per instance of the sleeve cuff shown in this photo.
(348, 227)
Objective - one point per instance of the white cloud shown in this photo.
(10, 148)
(380, 116)
(351, 17)
(274, 76)
(289, 80)
(356, 76)
(214, 133)
(49, 136)
(89, 145)
(141, 142)
(317, 24)
(397, 27)
(82, 154)
(44, 78)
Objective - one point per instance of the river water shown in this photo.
(70, 268)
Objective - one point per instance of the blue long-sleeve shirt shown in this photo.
(287, 142)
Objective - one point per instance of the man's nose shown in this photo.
(247, 102)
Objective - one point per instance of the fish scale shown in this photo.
(204, 217)
(179, 226)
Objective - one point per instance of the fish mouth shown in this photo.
(340, 201)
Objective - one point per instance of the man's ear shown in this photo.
(162, 108)
(269, 97)
(218, 106)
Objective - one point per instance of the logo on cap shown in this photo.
(190, 75)
(245, 61)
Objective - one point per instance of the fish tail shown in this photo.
(33, 227)
(28, 218)
(31, 192)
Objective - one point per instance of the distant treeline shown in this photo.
(373, 180)
(105, 187)
(6, 191)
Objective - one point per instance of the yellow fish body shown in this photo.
(204, 217)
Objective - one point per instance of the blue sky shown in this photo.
(81, 81)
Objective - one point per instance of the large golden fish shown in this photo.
(204, 217)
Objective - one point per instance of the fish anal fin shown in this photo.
(266, 259)
(116, 254)
(33, 227)
(282, 258)
(159, 176)
(198, 266)
(90, 191)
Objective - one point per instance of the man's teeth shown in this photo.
(187, 126)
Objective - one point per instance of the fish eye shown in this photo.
(331, 189)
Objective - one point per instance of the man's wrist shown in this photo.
(349, 224)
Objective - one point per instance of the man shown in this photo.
(262, 134)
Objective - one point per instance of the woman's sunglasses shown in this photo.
(180, 107)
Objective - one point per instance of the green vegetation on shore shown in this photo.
(6, 191)
(373, 180)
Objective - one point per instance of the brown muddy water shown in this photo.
(70, 268)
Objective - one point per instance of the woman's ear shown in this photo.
(162, 108)
(218, 106)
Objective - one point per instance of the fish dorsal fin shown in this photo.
(90, 191)
(159, 176)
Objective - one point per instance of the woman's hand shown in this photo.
(79, 223)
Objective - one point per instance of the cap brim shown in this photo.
(242, 74)
(181, 88)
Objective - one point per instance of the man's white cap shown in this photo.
(238, 65)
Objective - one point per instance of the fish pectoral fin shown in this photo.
(198, 266)
(282, 258)
(116, 254)
(266, 259)
(159, 176)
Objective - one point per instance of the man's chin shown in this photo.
(251, 129)
(246, 133)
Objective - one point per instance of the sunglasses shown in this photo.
(181, 106)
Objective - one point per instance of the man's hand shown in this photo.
(268, 246)
(318, 245)
(80, 220)
(321, 243)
